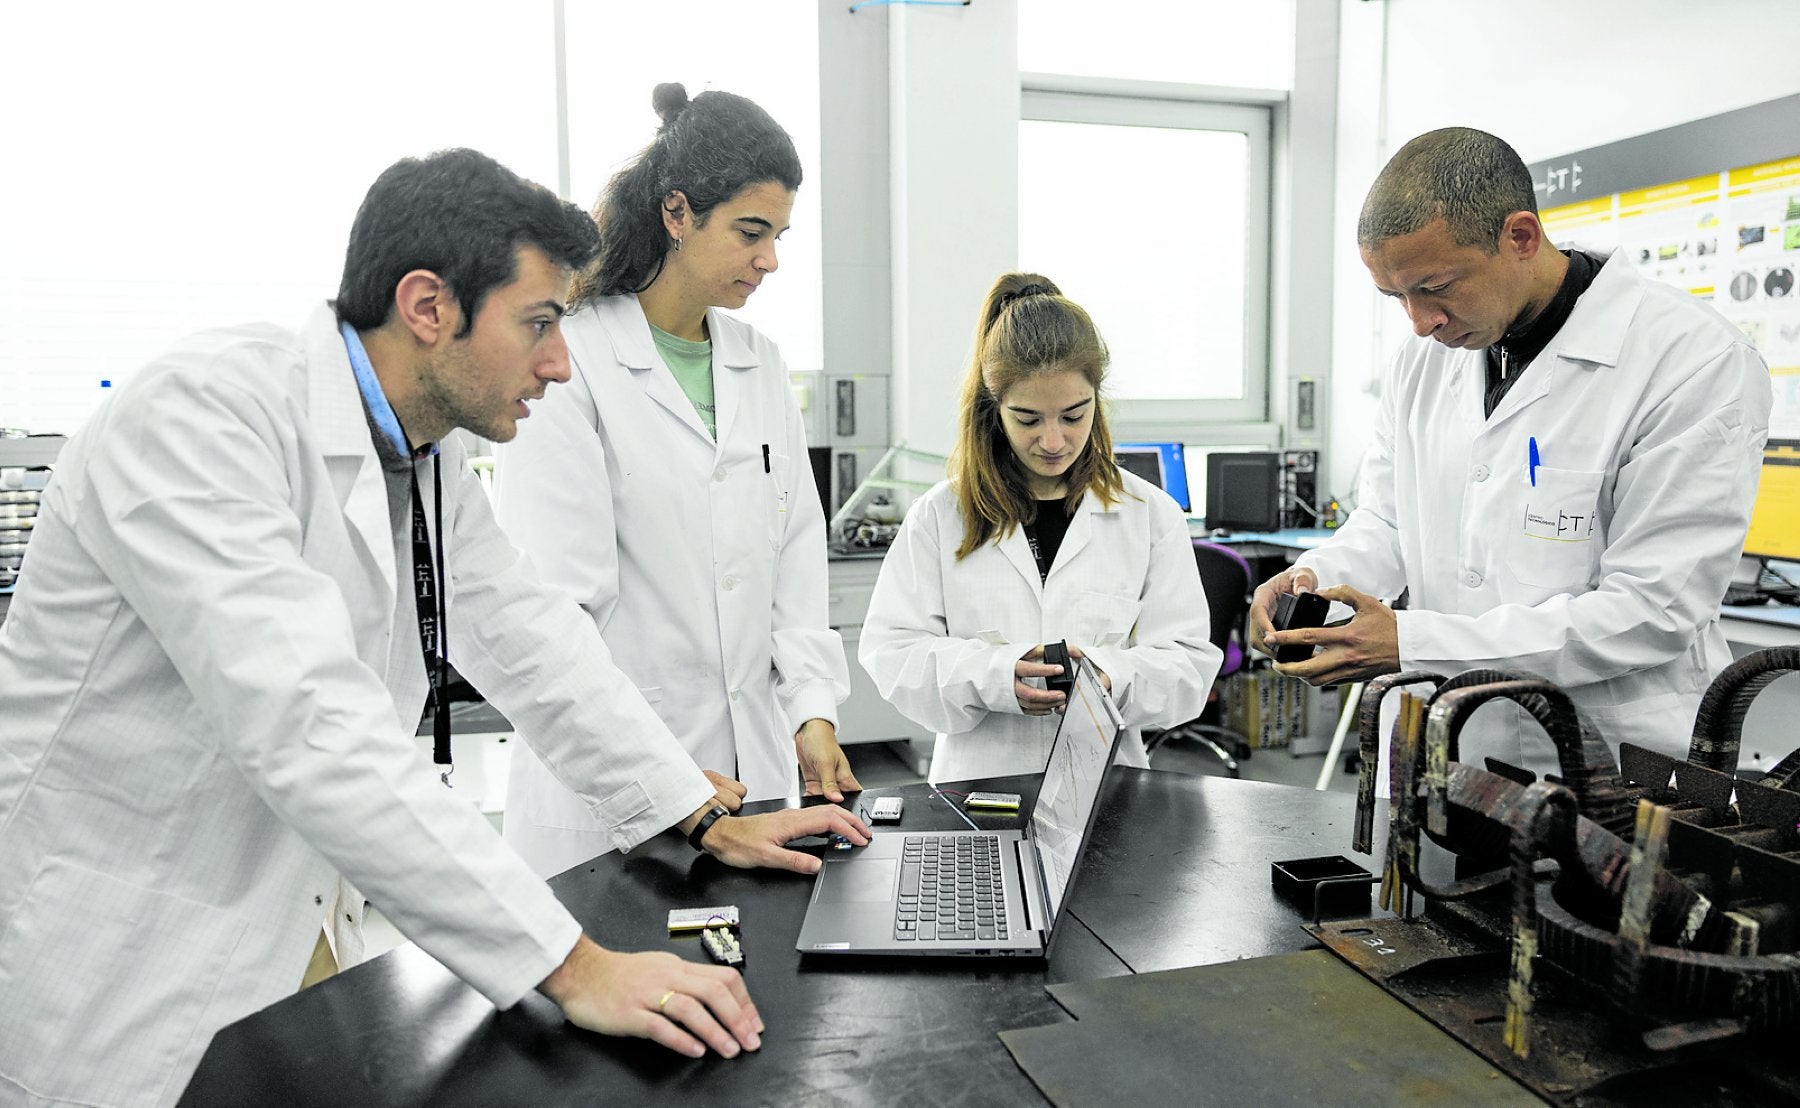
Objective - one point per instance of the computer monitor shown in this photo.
(1163, 464)
(1775, 520)
(1243, 491)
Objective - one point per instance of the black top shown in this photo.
(1045, 533)
(1508, 359)
(1189, 887)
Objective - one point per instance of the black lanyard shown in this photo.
(428, 587)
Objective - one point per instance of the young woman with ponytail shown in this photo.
(1037, 536)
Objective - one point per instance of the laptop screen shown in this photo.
(1066, 800)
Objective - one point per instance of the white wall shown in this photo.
(1550, 77)
(953, 124)
(854, 182)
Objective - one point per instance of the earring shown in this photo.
(678, 243)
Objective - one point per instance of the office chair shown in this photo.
(1225, 577)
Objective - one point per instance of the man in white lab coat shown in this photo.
(1563, 467)
(213, 667)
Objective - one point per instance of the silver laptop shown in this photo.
(986, 893)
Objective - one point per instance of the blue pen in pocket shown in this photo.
(1531, 460)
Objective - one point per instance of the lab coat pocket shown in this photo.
(1100, 618)
(779, 505)
(1556, 537)
(106, 982)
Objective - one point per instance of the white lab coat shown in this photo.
(941, 636)
(205, 725)
(705, 573)
(1650, 412)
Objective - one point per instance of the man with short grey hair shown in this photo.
(1564, 461)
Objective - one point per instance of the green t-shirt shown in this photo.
(691, 363)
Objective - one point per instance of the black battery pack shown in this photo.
(1296, 610)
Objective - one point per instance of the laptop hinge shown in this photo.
(1025, 884)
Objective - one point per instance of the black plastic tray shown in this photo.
(1328, 886)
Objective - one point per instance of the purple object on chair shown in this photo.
(1225, 576)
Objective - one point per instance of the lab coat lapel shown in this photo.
(1533, 387)
(1468, 380)
(336, 410)
(1594, 334)
(732, 360)
(1017, 550)
(660, 385)
(1081, 528)
(636, 351)
(1595, 331)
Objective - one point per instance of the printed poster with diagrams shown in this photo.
(1731, 238)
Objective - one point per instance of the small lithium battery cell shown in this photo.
(693, 919)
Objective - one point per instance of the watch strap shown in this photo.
(713, 815)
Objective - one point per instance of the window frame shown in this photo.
(1169, 106)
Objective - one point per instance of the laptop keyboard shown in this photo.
(951, 889)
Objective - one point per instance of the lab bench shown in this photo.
(1178, 874)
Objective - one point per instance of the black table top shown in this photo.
(1177, 875)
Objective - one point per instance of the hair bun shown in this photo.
(669, 99)
(1020, 293)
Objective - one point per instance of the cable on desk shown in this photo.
(945, 795)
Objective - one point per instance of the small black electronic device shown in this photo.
(1294, 610)
(831, 841)
(1057, 654)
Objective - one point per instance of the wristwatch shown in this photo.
(713, 815)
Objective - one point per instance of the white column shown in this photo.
(953, 124)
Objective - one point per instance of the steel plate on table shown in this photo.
(1301, 1029)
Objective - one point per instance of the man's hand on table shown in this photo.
(655, 995)
(748, 842)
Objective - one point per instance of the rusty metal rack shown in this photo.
(1627, 931)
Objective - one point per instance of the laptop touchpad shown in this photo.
(859, 881)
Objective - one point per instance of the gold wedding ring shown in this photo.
(664, 1000)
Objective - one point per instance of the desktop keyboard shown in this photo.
(951, 889)
(1737, 594)
(1766, 593)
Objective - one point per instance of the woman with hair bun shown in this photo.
(1037, 536)
(667, 486)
